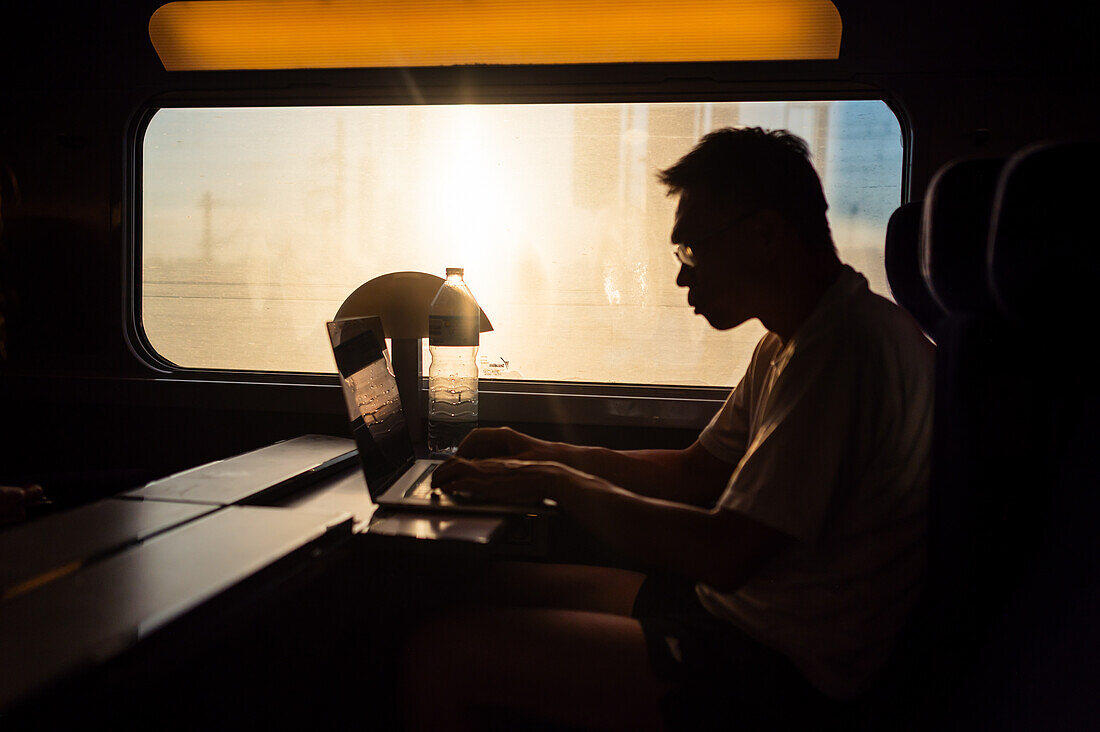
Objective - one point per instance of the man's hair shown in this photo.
(757, 168)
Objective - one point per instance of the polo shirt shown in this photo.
(831, 435)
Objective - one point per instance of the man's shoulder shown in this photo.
(882, 333)
(883, 316)
(868, 327)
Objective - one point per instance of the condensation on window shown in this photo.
(257, 223)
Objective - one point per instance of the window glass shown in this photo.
(257, 222)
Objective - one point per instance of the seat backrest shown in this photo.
(1043, 267)
(955, 235)
(936, 643)
(954, 247)
(1043, 261)
(903, 267)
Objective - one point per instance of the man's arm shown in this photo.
(691, 475)
(719, 547)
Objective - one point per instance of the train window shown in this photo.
(257, 222)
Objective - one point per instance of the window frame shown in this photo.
(590, 403)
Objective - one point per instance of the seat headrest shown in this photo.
(1044, 264)
(955, 234)
(903, 267)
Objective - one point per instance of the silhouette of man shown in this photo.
(787, 543)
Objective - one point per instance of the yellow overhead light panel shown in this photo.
(316, 34)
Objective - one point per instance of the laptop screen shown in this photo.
(370, 393)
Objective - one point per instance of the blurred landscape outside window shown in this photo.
(256, 223)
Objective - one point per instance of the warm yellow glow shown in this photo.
(294, 34)
(41, 579)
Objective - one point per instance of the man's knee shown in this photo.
(562, 586)
(436, 686)
(577, 667)
(429, 653)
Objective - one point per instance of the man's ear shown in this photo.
(766, 226)
(775, 231)
(769, 218)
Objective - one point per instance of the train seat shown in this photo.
(918, 687)
(903, 268)
(1043, 262)
(969, 472)
(1036, 668)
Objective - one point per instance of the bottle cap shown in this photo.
(455, 271)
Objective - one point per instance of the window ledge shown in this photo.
(616, 406)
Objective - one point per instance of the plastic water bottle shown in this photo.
(454, 323)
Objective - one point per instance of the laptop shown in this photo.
(395, 478)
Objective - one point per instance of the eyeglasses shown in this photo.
(686, 255)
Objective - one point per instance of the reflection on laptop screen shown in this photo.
(370, 392)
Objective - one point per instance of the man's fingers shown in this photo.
(483, 443)
(450, 470)
(498, 479)
(490, 442)
(472, 446)
(469, 487)
(458, 467)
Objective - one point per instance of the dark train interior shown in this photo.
(149, 310)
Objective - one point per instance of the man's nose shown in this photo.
(683, 278)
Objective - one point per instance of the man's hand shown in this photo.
(504, 480)
(499, 442)
(691, 475)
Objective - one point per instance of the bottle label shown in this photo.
(453, 330)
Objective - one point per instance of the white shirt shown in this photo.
(831, 434)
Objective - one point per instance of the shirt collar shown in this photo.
(847, 285)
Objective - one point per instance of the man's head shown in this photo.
(752, 215)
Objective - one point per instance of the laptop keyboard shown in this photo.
(423, 486)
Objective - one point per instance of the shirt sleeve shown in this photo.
(791, 470)
(726, 437)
